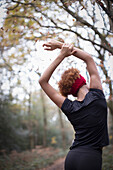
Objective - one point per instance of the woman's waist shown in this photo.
(87, 148)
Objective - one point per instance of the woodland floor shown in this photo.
(45, 159)
(107, 161)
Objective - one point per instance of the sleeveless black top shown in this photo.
(89, 119)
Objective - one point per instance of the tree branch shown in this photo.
(22, 16)
(13, 7)
(80, 19)
(101, 57)
(105, 9)
(106, 47)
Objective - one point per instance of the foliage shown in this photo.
(108, 158)
(83, 21)
(41, 157)
(30, 160)
(11, 136)
(20, 131)
(27, 21)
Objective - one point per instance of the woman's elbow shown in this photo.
(41, 81)
(89, 59)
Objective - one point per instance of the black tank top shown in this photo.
(89, 119)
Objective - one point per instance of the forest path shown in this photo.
(57, 165)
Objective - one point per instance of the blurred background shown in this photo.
(34, 133)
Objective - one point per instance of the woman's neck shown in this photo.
(82, 92)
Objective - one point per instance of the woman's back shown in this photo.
(89, 119)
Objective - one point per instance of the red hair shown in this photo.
(70, 82)
(67, 80)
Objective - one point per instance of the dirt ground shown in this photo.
(58, 165)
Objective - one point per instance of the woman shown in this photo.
(87, 114)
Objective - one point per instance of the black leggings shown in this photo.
(83, 159)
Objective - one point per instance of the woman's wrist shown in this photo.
(62, 55)
(59, 45)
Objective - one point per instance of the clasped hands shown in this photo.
(66, 49)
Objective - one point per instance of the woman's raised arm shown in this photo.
(95, 81)
(44, 79)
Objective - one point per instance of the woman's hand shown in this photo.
(67, 50)
(52, 45)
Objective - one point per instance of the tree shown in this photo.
(44, 119)
(39, 20)
(62, 129)
(85, 22)
(12, 136)
(108, 10)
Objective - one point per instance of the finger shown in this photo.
(63, 45)
(67, 45)
(73, 52)
(71, 46)
(46, 44)
(48, 49)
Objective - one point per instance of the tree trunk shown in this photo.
(109, 7)
(110, 120)
(44, 118)
(110, 105)
(62, 129)
(31, 139)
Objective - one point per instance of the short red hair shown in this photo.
(67, 80)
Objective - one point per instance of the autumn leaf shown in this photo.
(2, 28)
(109, 44)
(7, 12)
(41, 18)
(101, 61)
(101, 65)
(13, 30)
